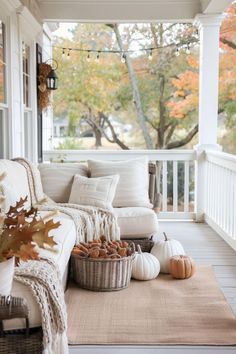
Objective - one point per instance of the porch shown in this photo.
(198, 187)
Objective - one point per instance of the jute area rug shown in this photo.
(162, 311)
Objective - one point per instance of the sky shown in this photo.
(64, 30)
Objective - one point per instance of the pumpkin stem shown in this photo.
(139, 249)
(166, 238)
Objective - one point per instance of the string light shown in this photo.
(123, 58)
(123, 53)
(97, 57)
(188, 49)
(150, 55)
(88, 57)
(68, 54)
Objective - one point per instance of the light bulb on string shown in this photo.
(88, 57)
(150, 55)
(68, 54)
(97, 57)
(188, 49)
(123, 58)
(63, 53)
(177, 53)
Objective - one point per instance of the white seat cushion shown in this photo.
(65, 236)
(136, 222)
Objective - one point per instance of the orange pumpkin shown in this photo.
(182, 267)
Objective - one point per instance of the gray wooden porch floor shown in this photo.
(206, 247)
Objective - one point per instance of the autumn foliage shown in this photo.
(22, 231)
(185, 98)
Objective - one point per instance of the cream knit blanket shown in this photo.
(44, 280)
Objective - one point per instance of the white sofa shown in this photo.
(134, 222)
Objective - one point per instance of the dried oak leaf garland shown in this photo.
(43, 92)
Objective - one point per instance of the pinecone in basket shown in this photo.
(102, 248)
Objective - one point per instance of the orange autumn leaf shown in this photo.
(27, 252)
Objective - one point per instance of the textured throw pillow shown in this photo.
(57, 179)
(132, 189)
(97, 192)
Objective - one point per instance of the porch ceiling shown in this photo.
(128, 10)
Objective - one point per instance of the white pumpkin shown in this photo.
(163, 250)
(145, 266)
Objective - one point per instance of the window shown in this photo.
(26, 74)
(2, 63)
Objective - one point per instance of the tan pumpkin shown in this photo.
(182, 267)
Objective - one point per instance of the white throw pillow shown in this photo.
(97, 192)
(132, 189)
(57, 179)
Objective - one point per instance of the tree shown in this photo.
(185, 100)
(90, 99)
(89, 91)
(135, 89)
(159, 78)
(159, 97)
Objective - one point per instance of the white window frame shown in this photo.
(29, 112)
(4, 106)
(29, 31)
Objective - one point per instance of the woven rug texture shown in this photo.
(161, 311)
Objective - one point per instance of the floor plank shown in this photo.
(206, 247)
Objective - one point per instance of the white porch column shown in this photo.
(209, 27)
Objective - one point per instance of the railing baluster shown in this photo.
(186, 186)
(175, 186)
(234, 206)
(231, 204)
(220, 182)
(164, 186)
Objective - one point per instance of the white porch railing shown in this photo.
(220, 196)
(176, 182)
(216, 180)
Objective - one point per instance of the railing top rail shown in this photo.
(222, 155)
(157, 155)
(222, 159)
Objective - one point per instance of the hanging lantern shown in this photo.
(52, 78)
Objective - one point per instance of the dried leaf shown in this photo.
(22, 230)
(27, 252)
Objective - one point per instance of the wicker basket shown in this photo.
(146, 244)
(22, 341)
(102, 274)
